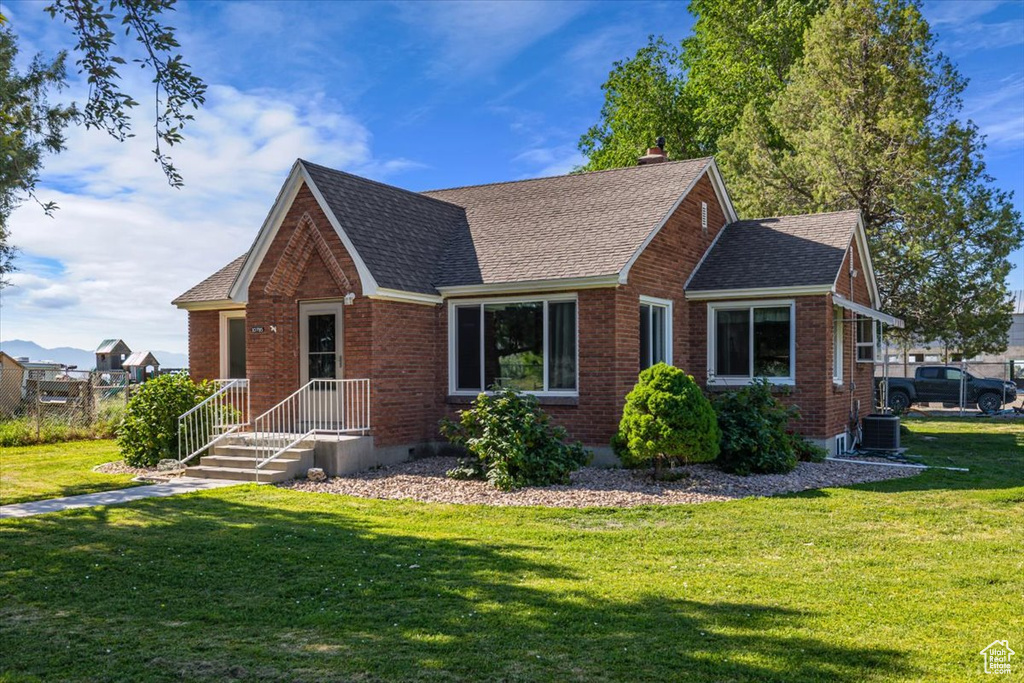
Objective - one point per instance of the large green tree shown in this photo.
(812, 105)
(31, 127)
(694, 93)
(869, 119)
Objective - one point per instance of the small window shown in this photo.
(929, 373)
(866, 342)
(931, 358)
(837, 346)
(954, 375)
(655, 332)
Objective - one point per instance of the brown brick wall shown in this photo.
(856, 394)
(204, 344)
(272, 357)
(403, 347)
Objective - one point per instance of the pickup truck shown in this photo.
(941, 384)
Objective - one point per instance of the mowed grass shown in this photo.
(902, 580)
(57, 470)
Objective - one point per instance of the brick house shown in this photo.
(565, 286)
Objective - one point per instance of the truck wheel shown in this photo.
(899, 401)
(989, 402)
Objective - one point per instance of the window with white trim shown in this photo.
(655, 331)
(528, 345)
(867, 347)
(752, 340)
(837, 346)
(232, 344)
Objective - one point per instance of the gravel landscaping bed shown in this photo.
(425, 480)
(119, 467)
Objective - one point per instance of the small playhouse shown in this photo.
(111, 355)
(141, 365)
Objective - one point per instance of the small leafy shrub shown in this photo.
(806, 451)
(754, 437)
(512, 443)
(666, 419)
(149, 431)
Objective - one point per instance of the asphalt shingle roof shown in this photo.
(214, 288)
(572, 226)
(785, 251)
(569, 226)
(399, 234)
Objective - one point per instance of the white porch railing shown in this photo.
(323, 406)
(223, 413)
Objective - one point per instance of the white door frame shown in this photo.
(319, 308)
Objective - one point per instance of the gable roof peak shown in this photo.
(581, 174)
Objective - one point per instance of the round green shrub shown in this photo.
(149, 431)
(754, 436)
(666, 419)
(512, 443)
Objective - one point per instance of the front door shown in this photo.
(320, 335)
(320, 358)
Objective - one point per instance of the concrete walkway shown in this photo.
(171, 488)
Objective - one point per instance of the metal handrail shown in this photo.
(218, 416)
(321, 406)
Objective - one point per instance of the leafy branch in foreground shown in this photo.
(108, 106)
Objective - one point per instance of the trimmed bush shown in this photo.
(149, 431)
(512, 443)
(666, 419)
(754, 437)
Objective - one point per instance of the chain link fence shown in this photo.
(1004, 371)
(41, 400)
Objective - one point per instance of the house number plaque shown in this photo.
(256, 329)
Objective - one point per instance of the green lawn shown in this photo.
(56, 470)
(903, 580)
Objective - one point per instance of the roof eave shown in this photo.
(529, 286)
(757, 292)
(212, 305)
(285, 197)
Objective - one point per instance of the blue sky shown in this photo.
(421, 95)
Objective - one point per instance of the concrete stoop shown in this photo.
(235, 459)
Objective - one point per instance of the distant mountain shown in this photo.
(85, 360)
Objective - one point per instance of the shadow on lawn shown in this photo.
(203, 588)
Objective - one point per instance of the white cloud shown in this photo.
(129, 243)
(475, 38)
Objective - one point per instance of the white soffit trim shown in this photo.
(624, 273)
(721, 193)
(889, 320)
(406, 297)
(531, 286)
(219, 305)
(715, 294)
(860, 236)
(239, 291)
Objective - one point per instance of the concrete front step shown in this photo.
(252, 451)
(283, 464)
(239, 474)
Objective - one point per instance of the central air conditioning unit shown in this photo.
(880, 433)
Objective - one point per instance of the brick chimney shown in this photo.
(655, 154)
